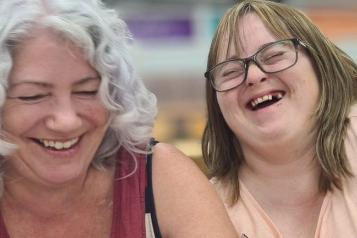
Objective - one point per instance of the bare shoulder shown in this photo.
(171, 158)
(186, 202)
(175, 167)
(172, 166)
(163, 149)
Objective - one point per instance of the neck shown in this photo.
(44, 201)
(286, 176)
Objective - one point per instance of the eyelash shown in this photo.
(34, 98)
(87, 93)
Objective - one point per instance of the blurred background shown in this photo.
(171, 43)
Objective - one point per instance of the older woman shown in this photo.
(281, 136)
(76, 123)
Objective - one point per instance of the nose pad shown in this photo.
(255, 75)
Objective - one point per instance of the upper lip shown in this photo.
(56, 139)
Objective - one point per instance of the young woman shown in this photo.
(281, 135)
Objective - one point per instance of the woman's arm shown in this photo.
(186, 203)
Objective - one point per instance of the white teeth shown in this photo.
(59, 145)
(265, 98)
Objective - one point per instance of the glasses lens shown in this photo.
(228, 75)
(277, 57)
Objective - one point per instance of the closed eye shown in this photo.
(232, 73)
(274, 57)
(277, 54)
(86, 93)
(32, 98)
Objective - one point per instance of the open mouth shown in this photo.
(265, 101)
(57, 145)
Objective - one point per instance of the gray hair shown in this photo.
(105, 40)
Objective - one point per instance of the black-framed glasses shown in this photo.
(272, 58)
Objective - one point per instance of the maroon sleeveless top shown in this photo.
(128, 199)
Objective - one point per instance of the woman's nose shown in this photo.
(255, 75)
(64, 117)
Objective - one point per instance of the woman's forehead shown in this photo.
(244, 38)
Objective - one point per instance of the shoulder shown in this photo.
(185, 201)
(168, 155)
(163, 149)
(172, 167)
(222, 188)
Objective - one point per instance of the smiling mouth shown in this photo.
(57, 145)
(265, 101)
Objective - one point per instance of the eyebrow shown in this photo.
(47, 85)
(235, 56)
(87, 79)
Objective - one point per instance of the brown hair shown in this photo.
(337, 80)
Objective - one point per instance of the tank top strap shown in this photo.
(152, 226)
